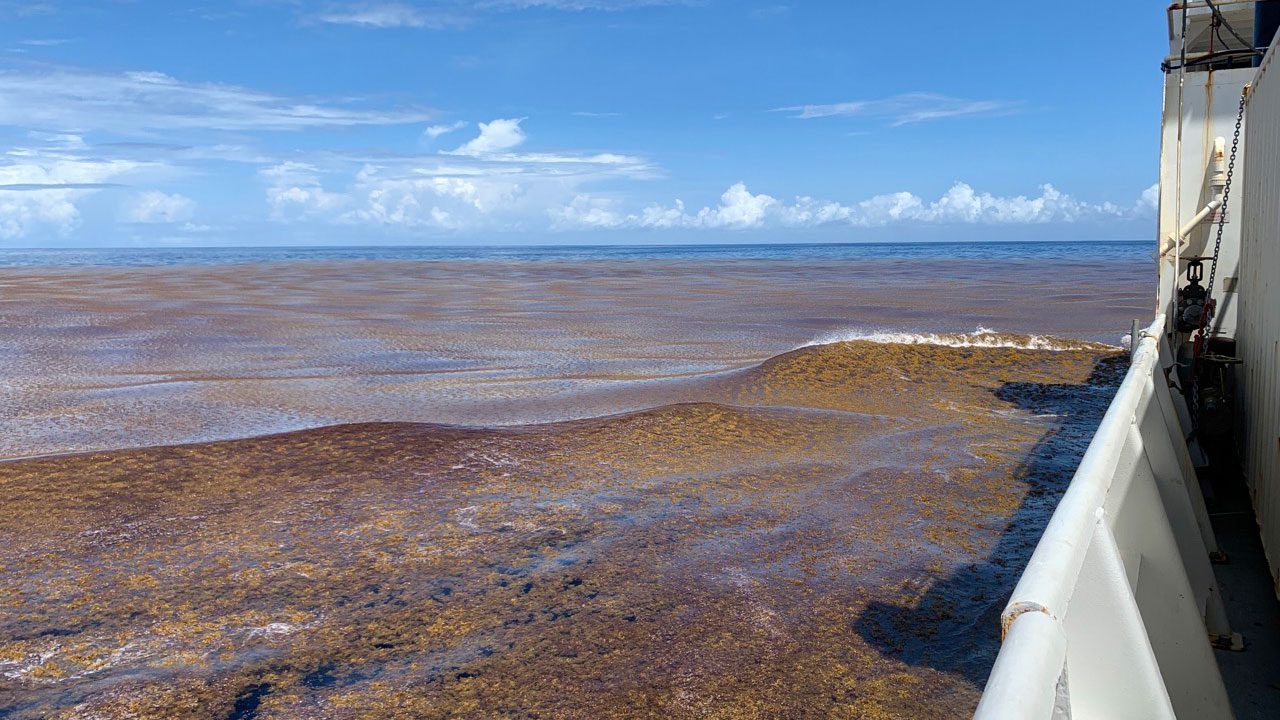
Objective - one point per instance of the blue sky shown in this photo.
(130, 122)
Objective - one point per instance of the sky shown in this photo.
(315, 122)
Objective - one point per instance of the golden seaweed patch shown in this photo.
(826, 535)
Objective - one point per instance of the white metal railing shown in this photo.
(1112, 615)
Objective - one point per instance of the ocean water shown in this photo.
(1100, 252)
(746, 482)
(214, 344)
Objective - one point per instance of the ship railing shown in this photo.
(1113, 615)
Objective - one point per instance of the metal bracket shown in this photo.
(1233, 642)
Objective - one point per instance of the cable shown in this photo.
(1177, 186)
(1226, 195)
(1217, 32)
(1227, 25)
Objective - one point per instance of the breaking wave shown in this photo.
(980, 338)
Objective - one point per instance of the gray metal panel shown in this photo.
(1258, 334)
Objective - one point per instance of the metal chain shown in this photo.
(1201, 339)
(1226, 194)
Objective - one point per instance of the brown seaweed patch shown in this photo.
(814, 537)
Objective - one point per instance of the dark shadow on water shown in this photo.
(955, 626)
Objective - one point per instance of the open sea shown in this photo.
(1102, 252)
(750, 481)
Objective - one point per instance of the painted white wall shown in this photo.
(1210, 101)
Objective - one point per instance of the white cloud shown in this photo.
(40, 192)
(609, 5)
(455, 13)
(158, 207)
(294, 192)
(1150, 199)
(436, 131)
(905, 109)
(961, 204)
(770, 12)
(478, 186)
(389, 15)
(740, 209)
(442, 202)
(494, 137)
(298, 201)
(133, 102)
(25, 8)
(587, 212)
(468, 196)
(58, 141)
(23, 214)
(491, 183)
(885, 209)
(806, 212)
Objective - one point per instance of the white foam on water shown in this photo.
(980, 338)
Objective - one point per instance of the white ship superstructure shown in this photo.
(1119, 610)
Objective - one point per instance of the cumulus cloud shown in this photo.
(479, 185)
(904, 109)
(425, 198)
(587, 212)
(442, 202)
(294, 192)
(22, 215)
(491, 182)
(961, 204)
(494, 137)
(40, 193)
(159, 207)
(132, 102)
(1150, 199)
(469, 194)
(740, 209)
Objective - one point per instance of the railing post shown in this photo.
(1184, 507)
(1110, 661)
(1168, 607)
